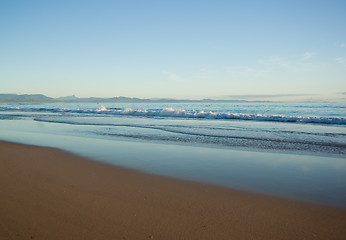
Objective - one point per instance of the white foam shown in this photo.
(102, 108)
(182, 113)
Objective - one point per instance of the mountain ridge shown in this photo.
(40, 98)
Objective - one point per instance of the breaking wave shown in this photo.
(194, 114)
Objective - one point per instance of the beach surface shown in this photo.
(50, 194)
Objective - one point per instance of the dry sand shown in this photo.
(50, 194)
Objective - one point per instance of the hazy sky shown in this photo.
(180, 49)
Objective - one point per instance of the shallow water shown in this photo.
(320, 179)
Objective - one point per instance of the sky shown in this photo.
(270, 50)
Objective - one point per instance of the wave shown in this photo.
(174, 113)
(206, 134)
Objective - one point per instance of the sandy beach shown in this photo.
(50, 194)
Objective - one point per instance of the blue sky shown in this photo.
(286, 50)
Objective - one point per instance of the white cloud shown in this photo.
(343, 45)
(205, 74)
(171, 75)
(341, 60)
(244, 71)
(278, 62)
(308, 55)
(294, 64)
(174, 77)
(275, 61)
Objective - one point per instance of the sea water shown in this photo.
(287, 149)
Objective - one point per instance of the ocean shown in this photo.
(304, 127)
(294, 150)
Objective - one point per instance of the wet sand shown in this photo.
(46, 193)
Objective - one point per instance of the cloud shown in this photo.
(174, 77)
(245, 71)
(341, 60)
(275, 61)
(308, 55)
(171, 75)
(293, 65)
(343, 45)
(205, 74)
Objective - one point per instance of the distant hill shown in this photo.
(15, 98)
(68, 98)
(40, 98)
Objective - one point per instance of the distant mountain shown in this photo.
(40, 98)
(105, 100)
(68, 98)
(10, 98)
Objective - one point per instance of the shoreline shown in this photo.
(51, 194)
